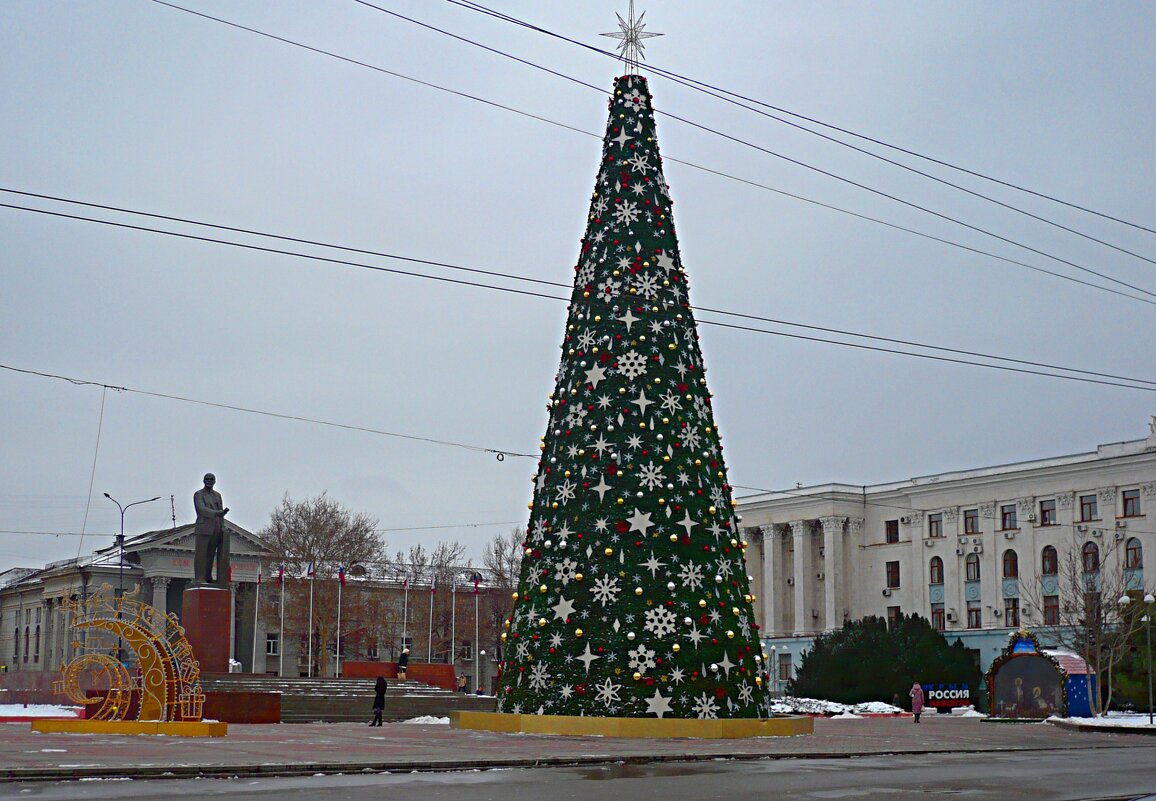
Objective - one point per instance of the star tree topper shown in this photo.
(630, 35)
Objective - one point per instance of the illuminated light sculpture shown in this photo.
(168, 681)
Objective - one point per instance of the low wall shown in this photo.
(230, 707)
(438, 675)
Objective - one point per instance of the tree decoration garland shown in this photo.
(633, 598)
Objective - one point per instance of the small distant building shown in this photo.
(1033, 683)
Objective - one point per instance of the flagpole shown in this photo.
(405, 613)
(281, 634)
(256, 617)
(453, 617)
(477, 657)
(340, 584)
(433, 588)
(309, 632)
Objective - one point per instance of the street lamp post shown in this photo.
(774, 668)
(1149, 603)
(120, 560)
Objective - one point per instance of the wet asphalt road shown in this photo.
(1056, 775)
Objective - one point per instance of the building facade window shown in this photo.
(970, 521)
(893, 615)
(892, 575)
(1091, 557)
(974, 615)
(466, 651)
(891, 531)
(36, 643)
(1048, 513)
(935, 525)
(371, 651)
(1011, 564)
(1049, 561)
(1007, 517)
(1131, 503)
(938, 619)
(1011, 612)
(272, 644)
(784, 667)
(1133, 554)
(1051, 610)
(971, 566)
(935, 571)
(1088, 508)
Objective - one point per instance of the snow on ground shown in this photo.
(428, 720)
(37, 711)
(1128, 720)
(786, 705)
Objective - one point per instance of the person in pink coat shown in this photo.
(916, 694)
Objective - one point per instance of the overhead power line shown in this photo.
(501, 453)
(712, 89)
(805, 165)
(750, 183)
(1027, 366)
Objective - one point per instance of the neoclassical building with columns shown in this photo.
(975, 551)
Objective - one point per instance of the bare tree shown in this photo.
(438, 615)
(321, 534)
(503, 559)
(1075, 602)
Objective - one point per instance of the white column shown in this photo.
(832, 570)
(848, 587)
(161, 594)
(771, 588)
(801, 532)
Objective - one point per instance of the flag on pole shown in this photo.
(433, 585)
(341, 574)
(477, 581)
(281, 575)
(405, 584)
(258, 574)
(309, 570)
(230, 572)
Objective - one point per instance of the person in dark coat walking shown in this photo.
(379, 700)
(403, 663)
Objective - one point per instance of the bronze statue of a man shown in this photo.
(211, 538)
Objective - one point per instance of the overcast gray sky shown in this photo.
(137, 105)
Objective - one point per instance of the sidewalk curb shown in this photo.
(295, 769)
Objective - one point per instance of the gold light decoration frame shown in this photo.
(169, 678)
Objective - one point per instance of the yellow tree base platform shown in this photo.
(182, 729)
(786, 726)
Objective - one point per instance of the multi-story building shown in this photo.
(978, 552)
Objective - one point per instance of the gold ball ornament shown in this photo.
(577, 632)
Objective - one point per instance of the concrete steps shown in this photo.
(333, 700)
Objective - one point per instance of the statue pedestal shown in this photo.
(207, 616)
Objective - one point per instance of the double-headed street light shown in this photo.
(1149, 608)
(120, 549)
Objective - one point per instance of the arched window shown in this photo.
(1050, 562)
(36, 651)
(1133, 554)
(972, 567)
(1011, 564)
(936, 570)
(1091, 554)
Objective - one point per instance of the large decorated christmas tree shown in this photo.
(633, 598)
